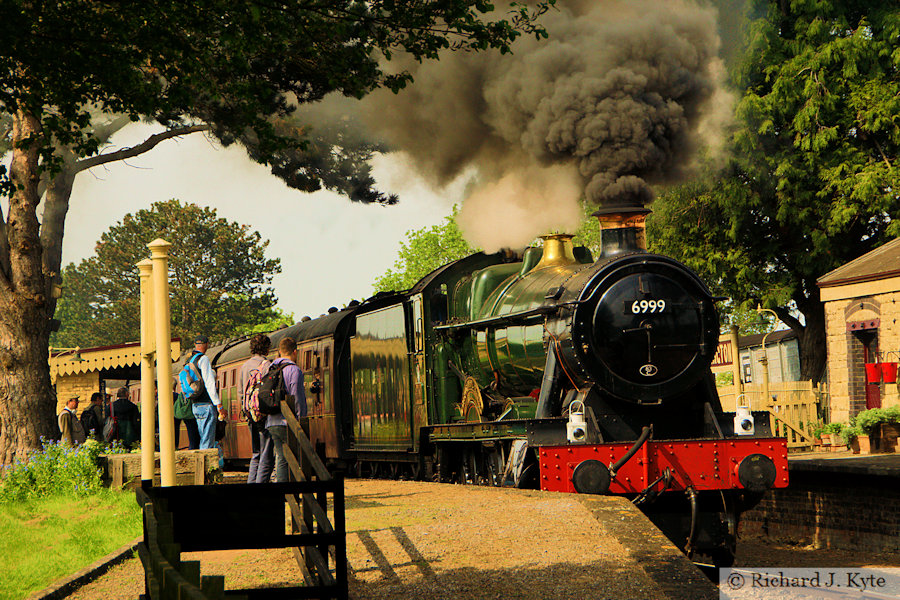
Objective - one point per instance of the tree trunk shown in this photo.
(813, 352)
(27, 403)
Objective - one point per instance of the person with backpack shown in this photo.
(289, 383)
(262, 460)
(125, 418)
(206, 406)
(92, 417)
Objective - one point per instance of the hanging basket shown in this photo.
(889, 372)
(873, 372)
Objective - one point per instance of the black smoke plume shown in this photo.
(618, 97)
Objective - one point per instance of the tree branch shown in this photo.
(148, 144)
(788, 319)
(880, 151)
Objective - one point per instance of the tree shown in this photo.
(235, 69)
(220, 284)
(813, 182)
(424, 251)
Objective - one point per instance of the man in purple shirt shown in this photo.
(276, 425)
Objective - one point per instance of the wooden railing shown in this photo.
(248, 516)
(309, 510)
(795, 407)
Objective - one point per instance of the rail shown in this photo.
(248, 516)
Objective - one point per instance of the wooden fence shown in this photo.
(248, 516)
(795, 408)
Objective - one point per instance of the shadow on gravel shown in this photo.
(561, 581)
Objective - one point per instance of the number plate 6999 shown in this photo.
(643, 307)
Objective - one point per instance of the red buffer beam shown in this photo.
(700, 464)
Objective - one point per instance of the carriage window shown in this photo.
(307, 360)
(233, 377)
(327, 356)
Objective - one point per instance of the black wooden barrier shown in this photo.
(248, 516)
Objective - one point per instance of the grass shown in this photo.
(45, 539)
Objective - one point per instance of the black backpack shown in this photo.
(90, 422)
(271, 389)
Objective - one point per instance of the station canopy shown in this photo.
(112, 362)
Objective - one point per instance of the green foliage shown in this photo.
(818, 430)
(724, 379)
(220, 281)
(58, 470)
(233, 65)
(870, 420)
(850, 433)
(813, 182)
(833, 428)
(45, 539)
(424, 251)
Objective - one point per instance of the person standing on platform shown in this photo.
(92, 417)
(127, 418)
(206, 407)
(183, 414)
(293, 386)
(69, 426)
(262, 460)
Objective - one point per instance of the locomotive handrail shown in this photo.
(502, 319)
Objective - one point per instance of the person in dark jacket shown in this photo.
(127, 418)
(92, 417)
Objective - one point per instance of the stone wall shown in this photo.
(846, 371)
(830, 510)
(81, 385)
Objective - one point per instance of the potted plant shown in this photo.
(890, 429)
(831, 434)
(869, 421)
(851, 435)
(817, 436)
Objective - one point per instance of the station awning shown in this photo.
(122, 358)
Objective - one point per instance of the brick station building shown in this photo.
(862, 310)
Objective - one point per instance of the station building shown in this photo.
(862, 310)
(782, 349)
(81, 372)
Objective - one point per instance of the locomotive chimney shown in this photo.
(557, 251)
(622, 229)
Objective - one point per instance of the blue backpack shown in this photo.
(191, 381)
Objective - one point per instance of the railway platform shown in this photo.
(430, 541)
(438, 541)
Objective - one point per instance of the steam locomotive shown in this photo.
(549, 369)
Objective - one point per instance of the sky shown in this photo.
(331, 249)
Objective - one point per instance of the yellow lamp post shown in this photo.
(764, 361)
(159, 255)
(73, 353)
(148, 351)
